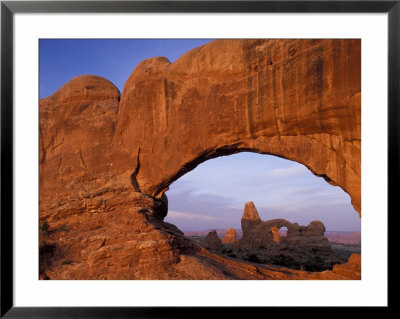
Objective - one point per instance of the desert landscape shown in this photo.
(107, 159)
(298, 247)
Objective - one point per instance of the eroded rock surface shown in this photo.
(106, 160)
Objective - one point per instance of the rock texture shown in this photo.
(351, 269)
(106, 160)
(77, 125)
(230, 236)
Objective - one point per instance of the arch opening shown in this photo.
(283, 231)
(232, 149)
(287, 196)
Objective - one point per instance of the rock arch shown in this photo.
(297, 99)
(105, 159)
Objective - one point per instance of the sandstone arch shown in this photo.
(297, 99)
(106, 160)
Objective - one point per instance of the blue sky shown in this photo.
(213, 195)
(62, 60)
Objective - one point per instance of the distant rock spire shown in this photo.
(250, 212)
(250, 217)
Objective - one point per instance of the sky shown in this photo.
(212, 196)
(63, 59)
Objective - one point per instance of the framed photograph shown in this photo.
(161, 156)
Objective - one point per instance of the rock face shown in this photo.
(212, 241)
(106, 160)
(77, 125)
(230, 236)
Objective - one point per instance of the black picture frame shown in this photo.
(9, 8)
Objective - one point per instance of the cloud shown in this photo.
(189, 216)
(191, 201)
(287, 172)
(190, 210)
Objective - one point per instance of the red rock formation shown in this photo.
(275, 234)
(260, 233)
(250, 218)
(77, 125)
(105, 163)
(303, 247)
(230, 236)
(298, 99)
(351, 269)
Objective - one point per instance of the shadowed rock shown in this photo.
(212, 241)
